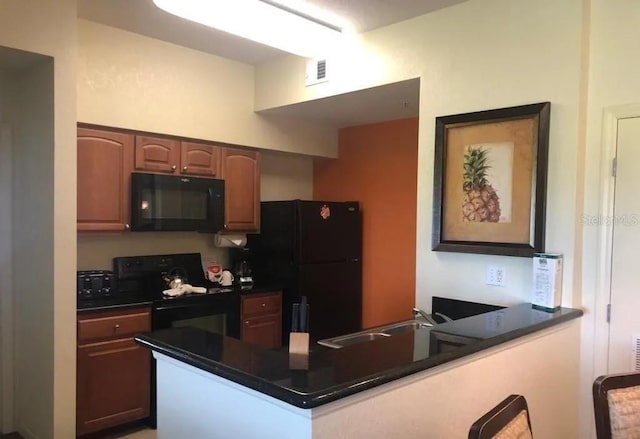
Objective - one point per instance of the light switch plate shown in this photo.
(496, 276)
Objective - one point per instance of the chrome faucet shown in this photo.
(429, 318)
(424, 315)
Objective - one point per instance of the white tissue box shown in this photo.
(547, 281)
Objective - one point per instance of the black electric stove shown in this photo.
(143, 277)
(217, 310)
(145, 274)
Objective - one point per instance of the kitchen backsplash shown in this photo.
(95, 252)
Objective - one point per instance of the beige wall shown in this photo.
(130, 81)
(96, 251)
(6, 261)
(45, 320)
(518, 53)
(286, 177)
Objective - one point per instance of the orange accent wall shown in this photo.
(377, 165)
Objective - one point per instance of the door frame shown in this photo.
(604, 256)
(6, 274)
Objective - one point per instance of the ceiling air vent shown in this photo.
(316, 71)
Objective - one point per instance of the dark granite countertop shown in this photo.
(114, 302)
(129, 300)
(333, 374)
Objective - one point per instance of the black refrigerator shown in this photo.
(312, 249)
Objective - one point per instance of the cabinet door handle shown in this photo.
(184, 169)
(127, 226)
(264, 305)
(174, 167)
(116, 326)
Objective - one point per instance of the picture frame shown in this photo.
(490, 181)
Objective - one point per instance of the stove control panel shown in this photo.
(136, 267)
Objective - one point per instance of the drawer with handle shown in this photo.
(261, 303)
(113, 324)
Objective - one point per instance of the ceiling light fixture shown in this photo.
(263, 21)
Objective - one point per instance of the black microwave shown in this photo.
(176, 203)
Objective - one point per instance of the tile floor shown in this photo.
(142, 434)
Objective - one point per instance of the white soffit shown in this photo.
(399, 100)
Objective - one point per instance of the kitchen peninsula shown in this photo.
(422, 384)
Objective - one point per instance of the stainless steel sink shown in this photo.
(347, 340)
(374, 333)
(402, 327)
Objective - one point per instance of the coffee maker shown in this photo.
(242, 267)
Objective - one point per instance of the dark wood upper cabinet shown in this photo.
(168, 156)
(200, 159)
(157, 154)
(241, 172)
(107, 158)
(105, 162)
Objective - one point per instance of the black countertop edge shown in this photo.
(105, 306)
(312, 399)
(128, 301)
(259, 289)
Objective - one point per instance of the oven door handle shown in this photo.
(174, 307)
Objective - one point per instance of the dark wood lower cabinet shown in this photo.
(262, 319)
(264, 331)
(113, 377)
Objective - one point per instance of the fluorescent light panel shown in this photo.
(258, 21)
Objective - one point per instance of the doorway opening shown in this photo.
(26, 240)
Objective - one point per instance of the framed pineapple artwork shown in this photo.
(490, 181)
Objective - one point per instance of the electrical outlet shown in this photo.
(496, 276)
